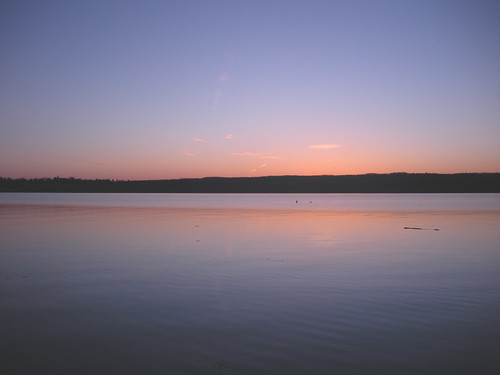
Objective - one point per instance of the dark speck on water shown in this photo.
(220, 364)
(417, 228)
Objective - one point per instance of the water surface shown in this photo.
(246, 284)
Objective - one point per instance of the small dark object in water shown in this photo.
(220, 364)
(417, 228)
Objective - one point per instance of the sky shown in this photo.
(181, 89)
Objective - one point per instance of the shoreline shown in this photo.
(391, 183)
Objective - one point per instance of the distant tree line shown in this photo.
(366, 183)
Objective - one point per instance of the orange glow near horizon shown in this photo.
(216, 163)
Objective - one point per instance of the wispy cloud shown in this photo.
(256, 155)
(171, 136)
(189, 152)
(224, 77)
(260, 166)
(229, 136)
(218, 92)
(324, 147)
(217, 95)
(199, 140)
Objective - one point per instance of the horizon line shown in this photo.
(249, 177)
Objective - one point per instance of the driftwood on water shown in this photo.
(417, 228)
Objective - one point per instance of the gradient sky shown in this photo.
(173, 89)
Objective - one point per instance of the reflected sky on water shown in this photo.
(163, 289)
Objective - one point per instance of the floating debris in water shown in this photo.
(220, 364)
(341, 349)
(418, 228)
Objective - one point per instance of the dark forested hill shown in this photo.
(367, 183)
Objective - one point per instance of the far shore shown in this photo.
(366, 183)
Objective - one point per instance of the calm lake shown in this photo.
(249, 284)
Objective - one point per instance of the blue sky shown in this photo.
(171, 89)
